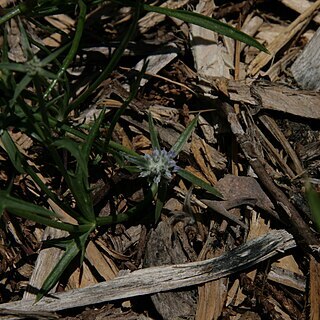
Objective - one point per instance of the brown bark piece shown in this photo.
(164, 248)
(212, 295)
(314, 289)
(198, 151)
(104, 265)
(278, 98)
(301, 230)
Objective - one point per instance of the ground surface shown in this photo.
(256, 141)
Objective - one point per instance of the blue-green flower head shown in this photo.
(159, 164)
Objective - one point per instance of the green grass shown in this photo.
(39, 102)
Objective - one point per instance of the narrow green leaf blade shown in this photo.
(14, 154)
(87, 144)
(314, 203)
(162, 194)
(198, 182)
(13, 67)
(202, 21)
(208, 23)
(73, 249)
(153, 133)
(183, 138)
(36, 213)
(19, 88)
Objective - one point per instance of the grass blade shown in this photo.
(183, 138)
(113, 61)
(153, 133)
(78, 180)
(19, 88)
(162, 194)
(36, 213)
(14, 154)
(74, 47)
(208, 23)
(18, 67)
(73, 249)
(202, 21)
(313, 198)
(199, 182)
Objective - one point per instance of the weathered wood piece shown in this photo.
(210, 58)
(300, 6)
(45, 262)
(270, 96)
(306, 69)
(165, 278)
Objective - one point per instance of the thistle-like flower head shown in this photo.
(159, 164)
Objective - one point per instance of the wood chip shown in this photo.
(300, 6)
(278, 98)
(263, 58)
(306, 69)
(211, 58)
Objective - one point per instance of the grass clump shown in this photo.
(39, 101)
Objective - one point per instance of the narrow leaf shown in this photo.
(18, 67)
(14, 154)
(153, 133)
(36, 213)
(202, 21)
(162, 194)
(314, 203)
(208, 23)
(73, 148)
(87, 144)
(183, 138)
(19, 88)
(199, 182)
(73, 249)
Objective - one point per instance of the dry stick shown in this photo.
(164, 278)
(299, 227)
(275, 131)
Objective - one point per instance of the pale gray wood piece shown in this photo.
(287, 278)
(164, 248)
(156, 62)
(46, 261)
(306, 69)
(165, 278)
